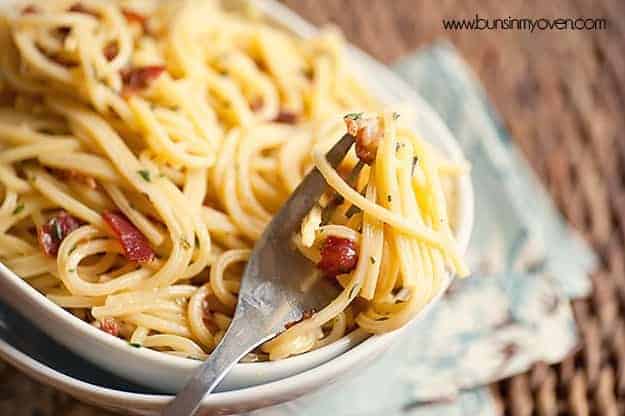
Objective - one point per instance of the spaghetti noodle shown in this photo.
(145, 145)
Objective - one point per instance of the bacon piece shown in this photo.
(53, 232)
(108, 325)
(134, 17)
(368, 133)
(137, 79)
(338, 256)
(110, 51)
(30, 9)
(135, 245)
(287, 117)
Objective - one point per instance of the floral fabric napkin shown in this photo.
(514, 310)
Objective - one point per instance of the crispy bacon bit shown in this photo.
(137, 79)
(132, 16)
(338, 256)
(110, 51)
(53, 232)
(287, 117)
(109, 325)
(79, 8)
(135, 245)
(306, 315)
(367, 132)
(30, 9)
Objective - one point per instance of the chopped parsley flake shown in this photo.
(372, 259)
(145, 174)
(134, 344)
(18, 209)
(395, 116)
(389, 198)
(72, 270)
(354, 116)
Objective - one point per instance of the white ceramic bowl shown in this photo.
(34, 353)
(168, 373)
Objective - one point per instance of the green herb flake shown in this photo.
(145, 174)
(395, 116)
(185, 243)
(18, 209)
(72, 270)
(72, 250)
(389, 198)
(134, 344)
(354, 116)
(372, 259)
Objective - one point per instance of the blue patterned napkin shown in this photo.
(514, 310)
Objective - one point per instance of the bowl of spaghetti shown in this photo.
(145, 145)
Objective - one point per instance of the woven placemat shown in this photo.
(562, 97)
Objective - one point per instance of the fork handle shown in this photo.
(238, 340)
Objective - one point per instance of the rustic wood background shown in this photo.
(562, 96)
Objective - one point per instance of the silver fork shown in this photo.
(271, 294)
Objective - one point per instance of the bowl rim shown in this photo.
(107, 397)
(283, 16)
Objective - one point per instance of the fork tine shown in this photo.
(306, 195)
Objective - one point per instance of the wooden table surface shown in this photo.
(562, 96)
